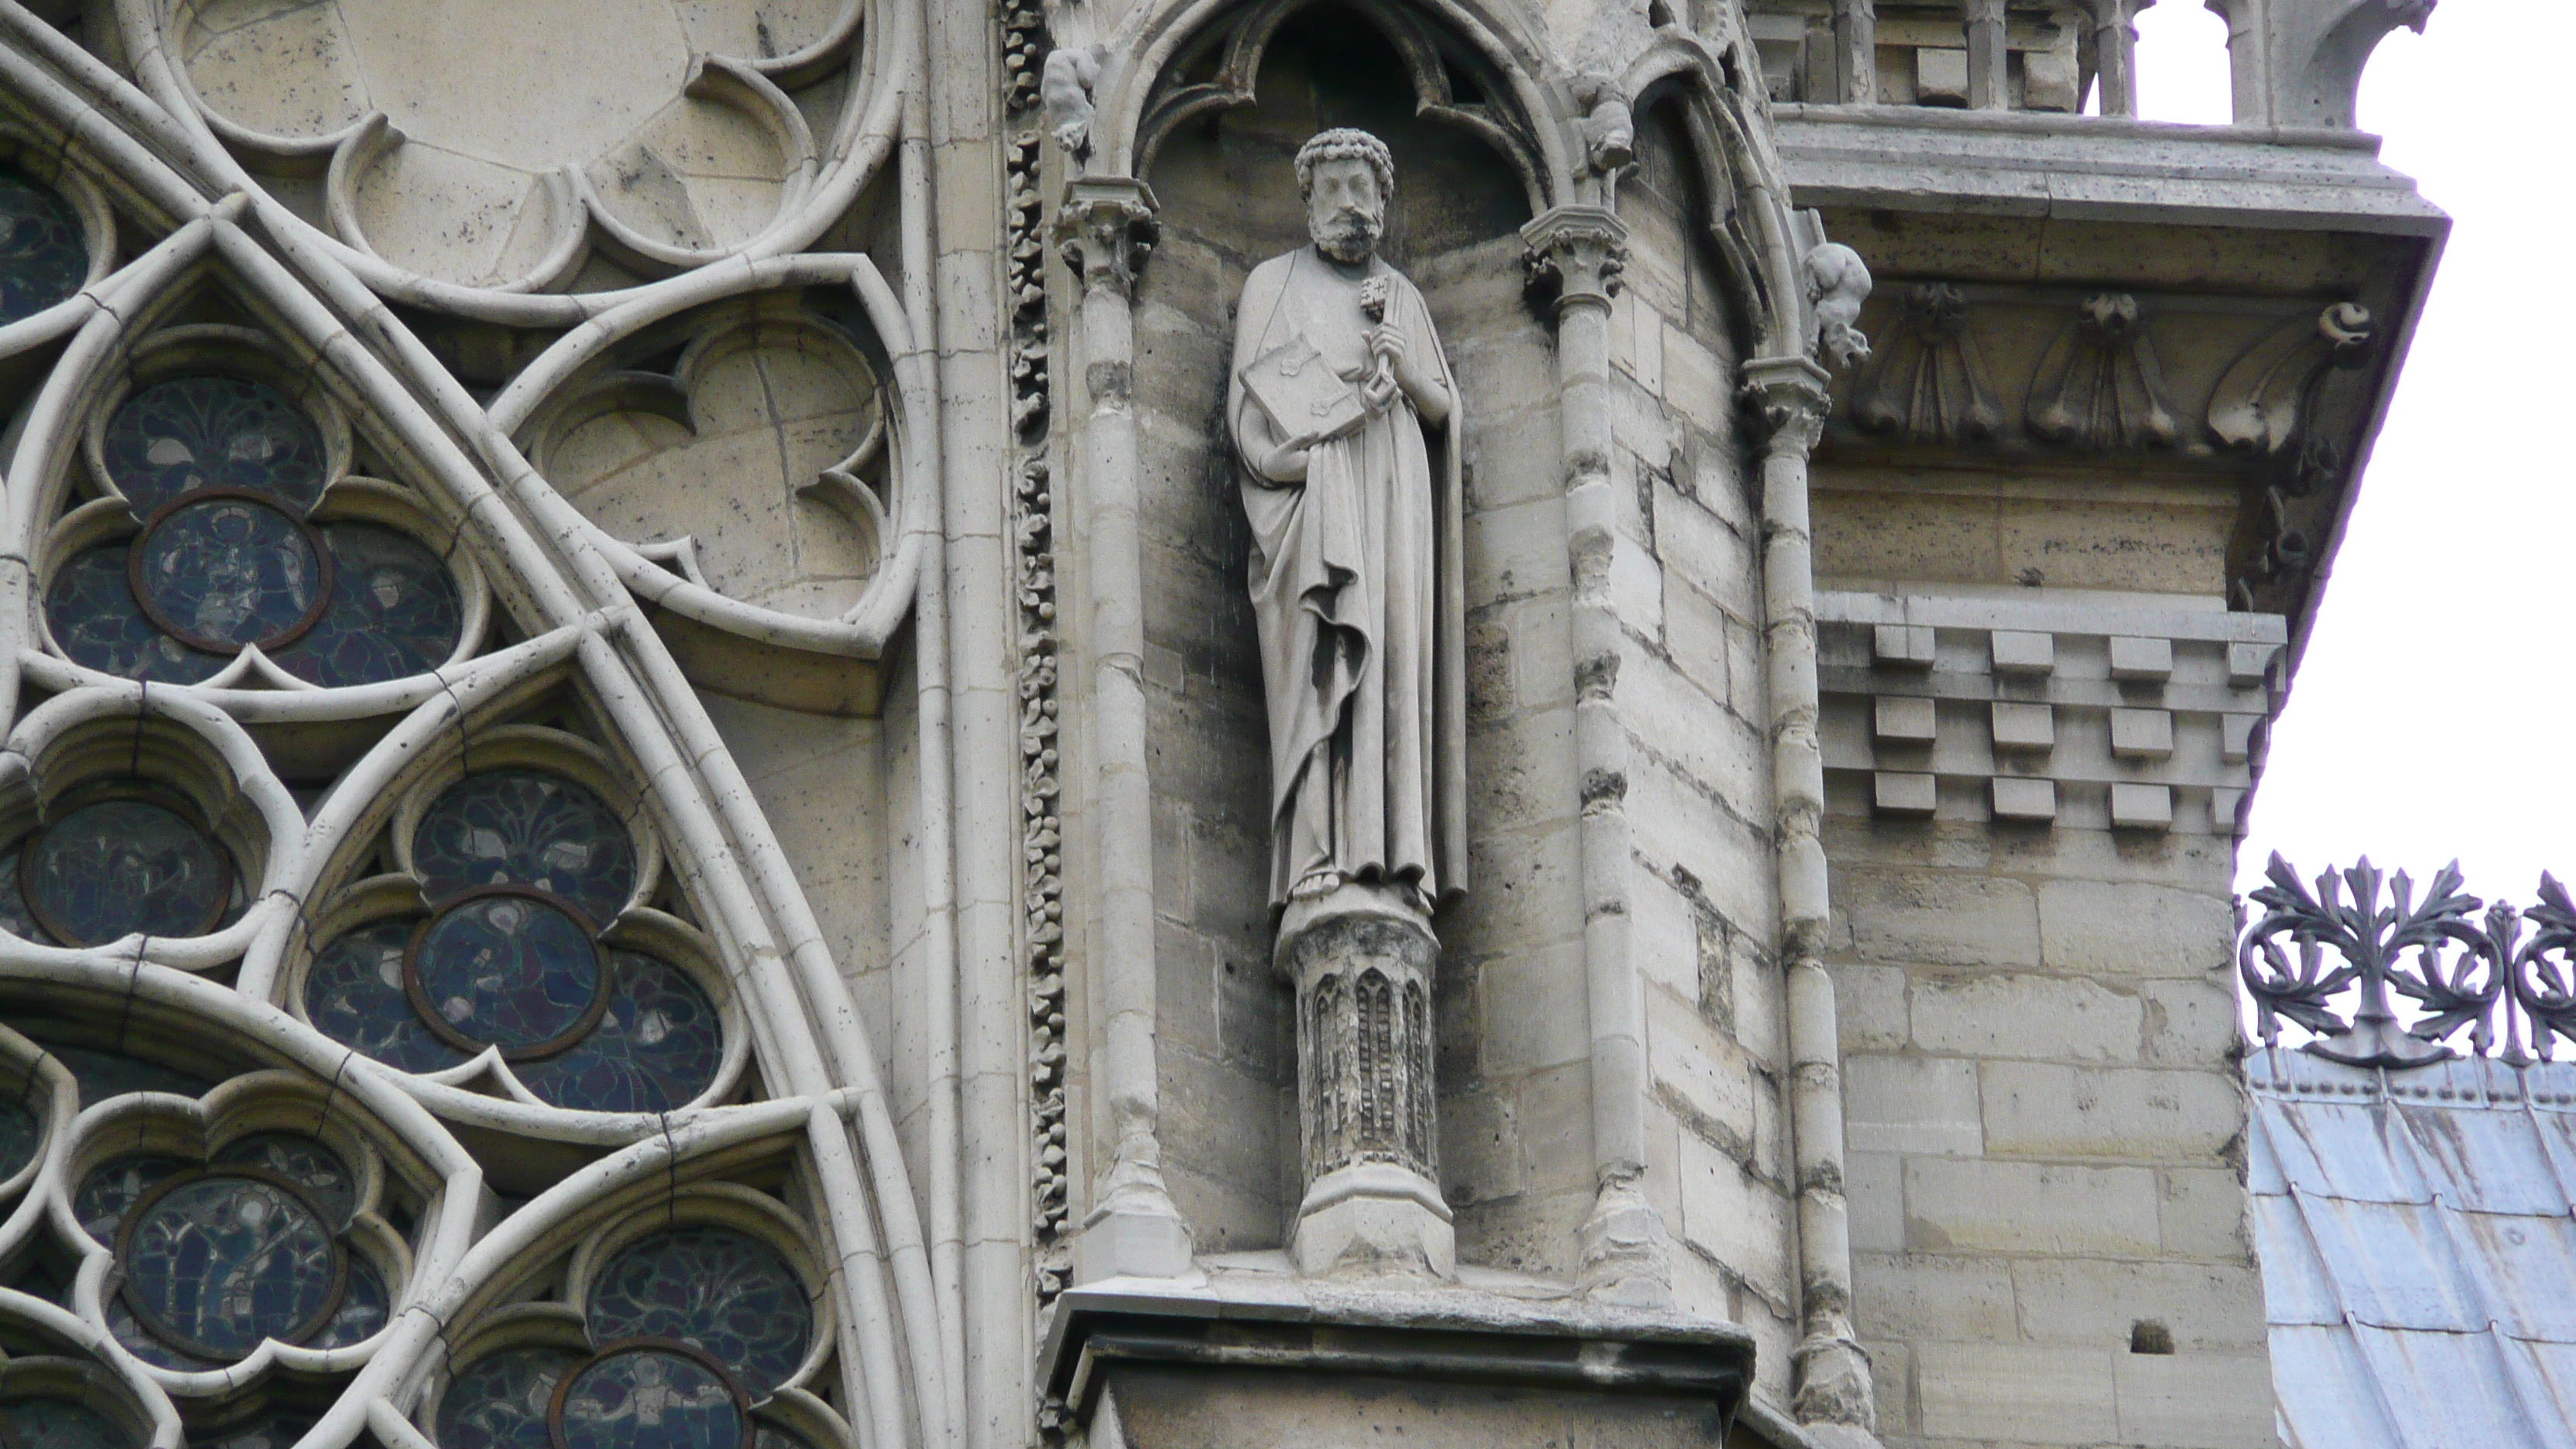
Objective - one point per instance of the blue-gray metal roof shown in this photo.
(2418, 1236)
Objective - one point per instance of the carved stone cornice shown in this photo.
(1788, 398)
(1106, 229)
(1575, 254)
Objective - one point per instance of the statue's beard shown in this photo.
(1348, 237)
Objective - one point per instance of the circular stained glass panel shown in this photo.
(217, 1261)
(354, 993)
(502, 1401)
(113, 868)
(222, 570)
(530, 828)
(113, 1187)
(658, 1045)
(96, 620)
(394, 611)
(507, 968)
(44, 256)
(212, 432)
(648, 1396)
(302, 1161)
(712, 1288)
(59, 1424)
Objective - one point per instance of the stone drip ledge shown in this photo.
(2127, 711)
(1237, 1320)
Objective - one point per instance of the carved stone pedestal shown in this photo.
(1361, 960)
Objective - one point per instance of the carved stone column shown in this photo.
(1989, 77)
(1834, 1394)
(1578, 251)
(1106, 229)
(1361, 960)
(1855, 53)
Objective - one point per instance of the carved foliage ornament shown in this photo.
(1928, 381)
(2099, 386)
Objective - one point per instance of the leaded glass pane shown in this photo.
(354, 994)
(19, 1134)
(141, 1342)
(269, 1431)
(714, 1289)
(394, 611)
(658, 1045)
(501, 1401)
(44, 256)
(306, 1163)
(116, 867)
(506, 969)
(362, 1307)
(649, 1398)
(60, 1424)
(216, 1263)
(526, 827)
(114, 1186)
(14, 915)
(224, 570)
(213, 432)
(97, 621)
(102, 1075)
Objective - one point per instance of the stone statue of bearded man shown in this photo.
(1346, 415)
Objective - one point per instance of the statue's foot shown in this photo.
(1316, 886)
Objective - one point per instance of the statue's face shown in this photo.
(1344, 212)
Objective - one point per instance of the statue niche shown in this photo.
(1242, 1142)
(1338, 378)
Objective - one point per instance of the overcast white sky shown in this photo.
(2431, 718)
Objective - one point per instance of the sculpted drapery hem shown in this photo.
(1357, 586)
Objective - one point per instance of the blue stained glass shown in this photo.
(223, 571)
(138, 1340)
(362, 1308)
(394, 612)
(114, 1186)
(657, 1047)
(506, 970)
(302, 1161)
(44, 257)
(526, 827)
(14, 915)
(220, 1262)
(102, 1075)
(91, 608)
(354, 995)
(714, 1289)
(269, 1431)
(212, 432)
(60, 1424)
(19, 1134)
(649, 1398)
(501, 1401)
(120, 866)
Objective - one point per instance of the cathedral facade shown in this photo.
(910, 724)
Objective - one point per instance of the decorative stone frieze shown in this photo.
(2154, 727)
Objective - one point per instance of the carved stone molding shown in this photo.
(1361, 961)
(1106, 230)
(1574, 255)
(1788, 400)
(2265, 397)
(1928, 382)
(2099, 386)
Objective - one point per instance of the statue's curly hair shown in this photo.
(1344, 143)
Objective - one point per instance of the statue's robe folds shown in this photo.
(1357, 587)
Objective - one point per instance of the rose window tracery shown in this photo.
(224, 479)
(214, 1257)
(131, 860)
(690, 1329)
(526, 872)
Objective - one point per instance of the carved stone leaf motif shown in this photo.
(741, 468)
(2264, 397)
(678, 143)
(2099, 387)
(1928, 382)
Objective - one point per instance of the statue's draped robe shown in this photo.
(1356, 585)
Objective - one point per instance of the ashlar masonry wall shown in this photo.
(2045, 1131)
